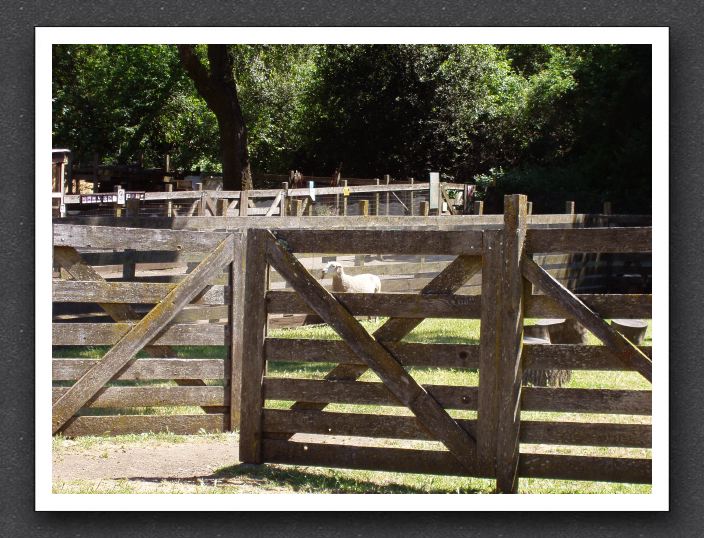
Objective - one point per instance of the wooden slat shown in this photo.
(607, 401)
(140, 335)
(400, 427)
(427, 410)
(144, 369)
(605, 305)
(383, 241)
(408, 305)
(589, 240)
(67, 291)
(101, 237)
(626, 351)
(152, 396)
(128, 424)
(631, 470)
(510, 343)
(490, 349)
(337, 351)
(237, 321)
(574, 357)
(252, 347)
(97, 334)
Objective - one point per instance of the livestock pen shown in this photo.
(469, 427)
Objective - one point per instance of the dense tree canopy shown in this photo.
(553, 121)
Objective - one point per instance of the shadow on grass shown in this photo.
(310, 482)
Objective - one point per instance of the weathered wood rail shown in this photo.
(205, 339)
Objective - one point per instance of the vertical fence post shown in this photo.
(344, 198)
(387, 179)
(201, 201)
(569, 208)
(244, 203)
(424, 208)
(169, 201)
(222, 207)
(376, 199)
(253, 315)
(489, 351)
(309, 207)
(478, 207)
(510, 368)
(410, 205)
(297, 207)
(118, 205)
(236, 322)
(530, 208)
(284, 200)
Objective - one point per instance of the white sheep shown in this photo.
(341, 282)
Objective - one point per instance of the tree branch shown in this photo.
(198, 73)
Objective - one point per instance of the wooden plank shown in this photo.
(127, 424)
(337, 351)
(141, 334)
(100, 334)
(605, 305)
(510, 371)
(144, 369)
(574, 357)
(237, 323)
(607, 401)
(589, 240)
(384, 304)
(252, 347)
(439, 462)
(136, 238)
(274, 205)
(199, 313)
(427, 410)
(383, 241)
(626, 351)
(72, 264)
(490, 349)
(83, 291)
(401, 427)
(152, 396)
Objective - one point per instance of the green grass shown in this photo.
(309, 479)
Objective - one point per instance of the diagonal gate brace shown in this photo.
(140, 335)
(624, 349)
(429, 413)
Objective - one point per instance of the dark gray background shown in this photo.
(17, 263)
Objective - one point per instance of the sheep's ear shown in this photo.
(338, 269)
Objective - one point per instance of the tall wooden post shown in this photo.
(530, 208)
(510, 367)
(344, 198)
(376, 199)
(309, 207)
(169, 201)
(251, 357)
(297, 207)
(410, 205)
(119, 208)
(478, 207)
(489, 351)
(284, 200)
(201, 202)
(387, 179)
(244, 203)
(236, 321)
(424, 208)
(569, 208)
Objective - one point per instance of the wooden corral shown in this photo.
(230, 283)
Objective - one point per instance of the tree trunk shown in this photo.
(219, 89)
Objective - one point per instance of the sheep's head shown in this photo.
(332, 268)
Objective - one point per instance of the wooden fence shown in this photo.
(230, 379)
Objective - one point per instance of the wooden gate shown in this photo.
(154, 332)
(486, 445)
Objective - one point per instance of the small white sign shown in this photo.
(62, 210)
(311, 186)
(121, 197)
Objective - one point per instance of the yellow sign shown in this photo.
(346, 191)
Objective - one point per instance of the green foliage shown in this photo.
(547, 120)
